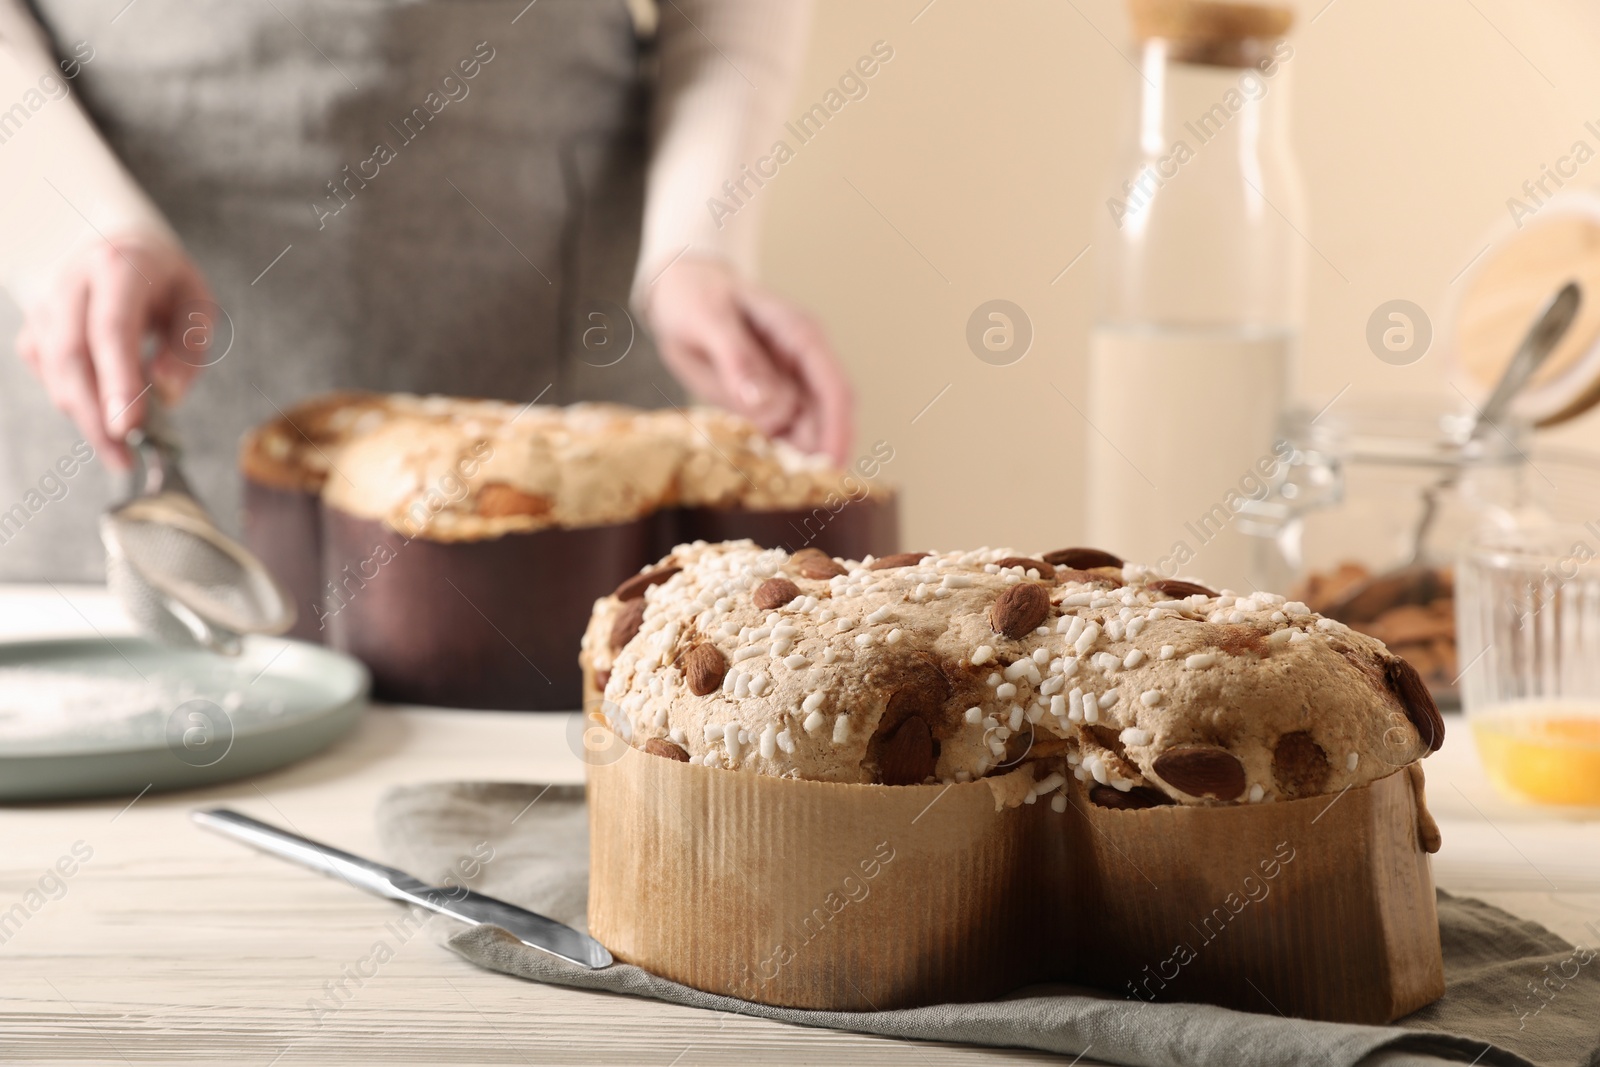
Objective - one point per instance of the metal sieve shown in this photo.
(183, 581)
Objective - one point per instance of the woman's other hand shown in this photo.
(736, 345)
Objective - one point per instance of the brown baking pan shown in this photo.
(870, 526)
(492, 623)
(284, 529)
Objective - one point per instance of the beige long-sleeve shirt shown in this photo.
(727, 71)
(727, 68)
(61, 186)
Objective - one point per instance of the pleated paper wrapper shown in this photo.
(866, 898)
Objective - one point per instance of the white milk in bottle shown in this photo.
(1200, 256)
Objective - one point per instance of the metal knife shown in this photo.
(462, 904)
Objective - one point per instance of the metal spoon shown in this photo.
(1555, 318)
(1414, 582)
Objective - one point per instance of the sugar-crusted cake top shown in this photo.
(454, 469)
(484, 473)
(949, 666)
(291, 451)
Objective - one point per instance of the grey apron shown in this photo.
(419, 195)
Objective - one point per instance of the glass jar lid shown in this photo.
(1422, 431)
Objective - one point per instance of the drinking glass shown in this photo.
(1528, 633)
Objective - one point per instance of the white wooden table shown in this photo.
(171, 945)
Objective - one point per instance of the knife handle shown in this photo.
(324, 859)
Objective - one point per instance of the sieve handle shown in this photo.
(156, 453)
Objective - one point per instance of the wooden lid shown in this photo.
(1504, 293)
(1210, 31)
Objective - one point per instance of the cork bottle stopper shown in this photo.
(1211, 32)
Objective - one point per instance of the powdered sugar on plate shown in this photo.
(40, 703)
(97, 702)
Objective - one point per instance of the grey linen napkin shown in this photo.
(529, 844)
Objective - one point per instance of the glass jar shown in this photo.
(1200, 261)
(1337, 524)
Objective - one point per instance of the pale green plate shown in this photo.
(101, 717)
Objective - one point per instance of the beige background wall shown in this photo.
(975, 166)
(985, 143)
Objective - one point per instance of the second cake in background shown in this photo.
(456, 546)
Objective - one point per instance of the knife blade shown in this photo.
(474, 909)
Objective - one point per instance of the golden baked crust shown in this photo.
(292, 451)
(755, 660)
(453, 469)
(487, 471)
(728, 463)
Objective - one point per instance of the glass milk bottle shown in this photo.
(1200, 259)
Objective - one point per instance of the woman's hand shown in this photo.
(736, 345)
(83, 336)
